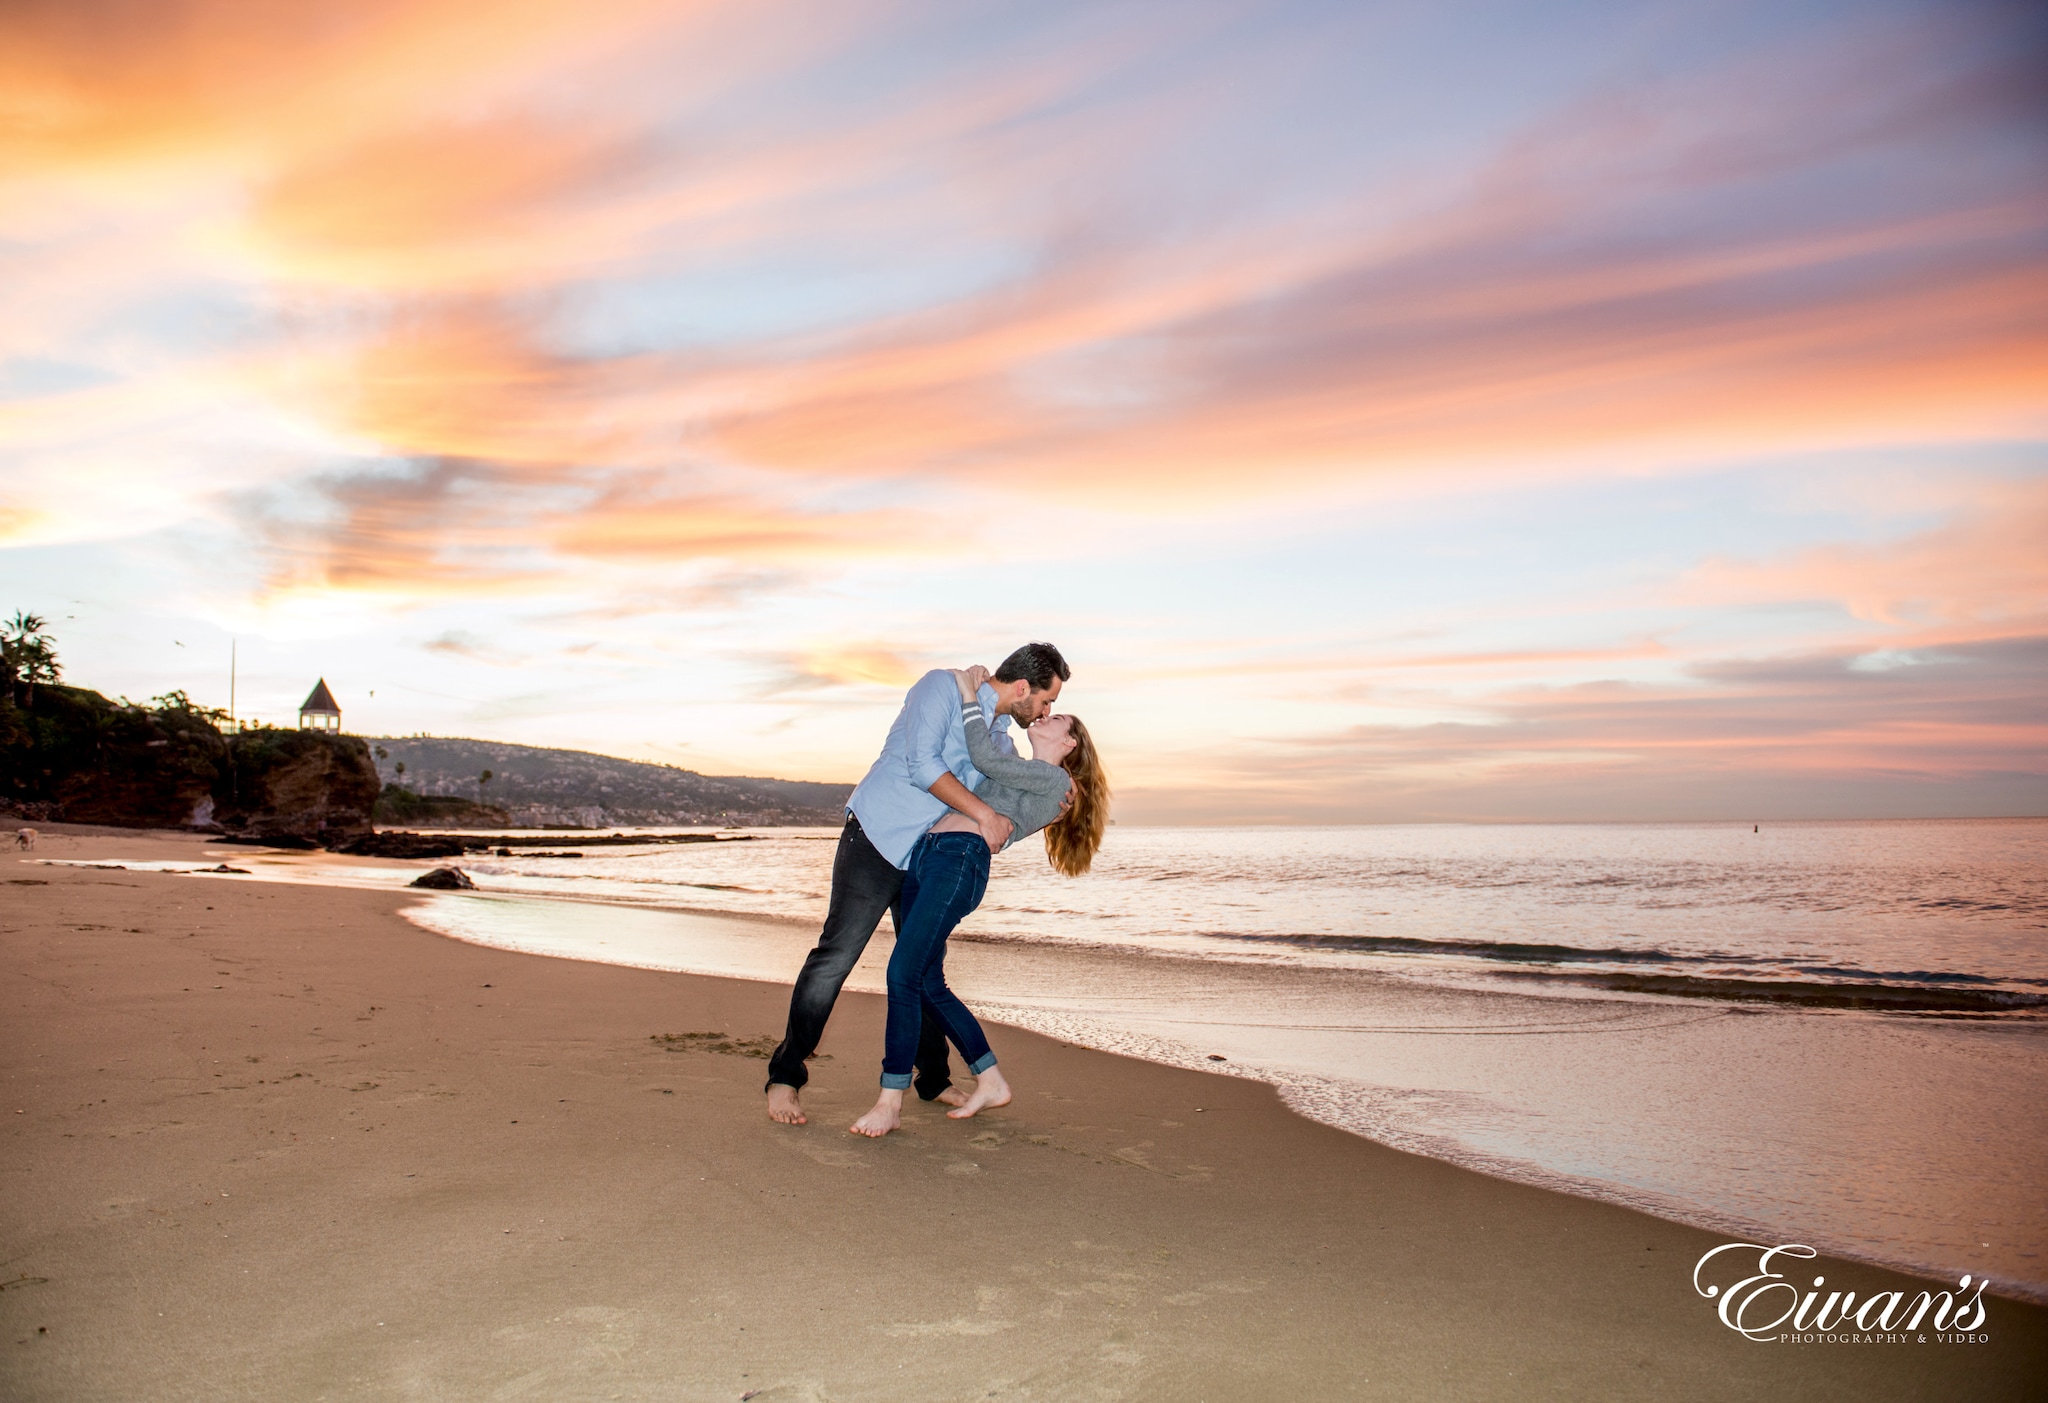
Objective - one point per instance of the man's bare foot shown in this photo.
(989, 1090)
(885, 1117)
(783, 1106)
(951, 1096)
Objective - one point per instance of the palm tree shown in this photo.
(42, 667)
(28, 654)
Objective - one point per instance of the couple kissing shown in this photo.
(947, 793)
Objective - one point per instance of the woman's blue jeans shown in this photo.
(946, 877)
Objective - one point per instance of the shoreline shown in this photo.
(1380, 1117)
(345, 1157)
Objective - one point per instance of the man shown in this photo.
(923, 771)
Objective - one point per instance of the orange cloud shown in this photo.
(468, 382)
(1982, 575)
(16, 523)
(456, 527)
(420, 197)
(857, 665)
(650, 528)
(441, 205)
(103, 83)
(1367, 371)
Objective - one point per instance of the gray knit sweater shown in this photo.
(1026, 792)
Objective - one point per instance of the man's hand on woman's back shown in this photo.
(995, 828)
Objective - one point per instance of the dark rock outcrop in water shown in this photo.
(403, 845)
(76, 757)
(444, 879)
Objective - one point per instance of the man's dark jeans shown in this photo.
(864, 885)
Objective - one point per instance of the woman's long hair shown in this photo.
(1071, 840)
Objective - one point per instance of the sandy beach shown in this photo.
(276, 1142)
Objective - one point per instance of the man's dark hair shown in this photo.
(1036, 663)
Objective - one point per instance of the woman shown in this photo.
(1062, 790)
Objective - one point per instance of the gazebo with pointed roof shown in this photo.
(320, 711)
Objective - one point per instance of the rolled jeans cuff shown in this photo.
(900, 1081)
(977, 1066)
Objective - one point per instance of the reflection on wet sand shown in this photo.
(1887, 1138)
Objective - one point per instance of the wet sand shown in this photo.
(269, 1141)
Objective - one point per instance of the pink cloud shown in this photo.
(1955, 730)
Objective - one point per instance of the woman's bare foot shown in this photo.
(885, 1117)
(783, 1106)
(989, 1090)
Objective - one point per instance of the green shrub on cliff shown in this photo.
(73, 755)
(300, 784)
(399, 805)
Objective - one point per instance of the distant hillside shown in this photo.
(539, 788)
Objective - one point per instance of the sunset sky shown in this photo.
(1394, 411)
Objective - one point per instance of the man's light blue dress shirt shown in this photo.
(894, 803)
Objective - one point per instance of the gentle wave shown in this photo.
(1882, 998)
(1893, 918)
(1770, 979)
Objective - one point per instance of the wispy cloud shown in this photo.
(759, 319)
(858, 665)
(461, 643)
(1792, 737)
(1983, 574)
(96, 85)
(720, 592)
(422, 529)
(1581, 291)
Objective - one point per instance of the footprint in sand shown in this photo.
(837, 1159)
(959, 1325)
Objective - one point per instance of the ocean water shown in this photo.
(1829, 1033)
(1926, 917)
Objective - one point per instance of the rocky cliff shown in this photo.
(76, 757)
(296, 784)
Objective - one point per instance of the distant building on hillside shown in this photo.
(320, 711)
